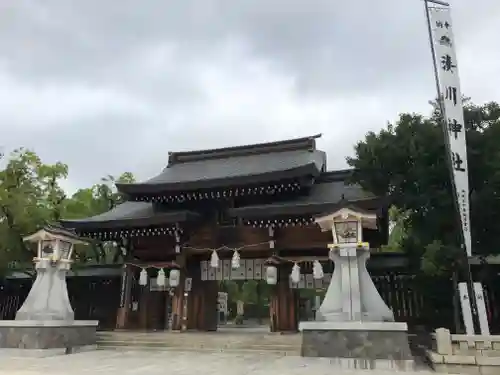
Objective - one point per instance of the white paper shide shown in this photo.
(444, 46)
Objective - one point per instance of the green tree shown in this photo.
(407, 162)
(243, 293)
(400, 226)
(30, 195)
(93, 201)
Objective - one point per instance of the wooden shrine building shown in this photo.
(256, 203)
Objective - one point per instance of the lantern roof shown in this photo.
(49, 233)
(347, 212)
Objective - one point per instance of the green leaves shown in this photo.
(407, 162)
(31, 196)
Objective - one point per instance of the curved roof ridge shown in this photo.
(304, 143)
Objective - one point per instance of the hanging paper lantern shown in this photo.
(160, 280)
(174, 278)
(295, 275)
(235, 261)
(271, 275)
(317, 270)
(214, 260)
(143, 277)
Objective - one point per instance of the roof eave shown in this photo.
(310, 169)
(162, 219)
(302, 209)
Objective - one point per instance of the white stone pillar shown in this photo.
(351, 295)
(48, 298)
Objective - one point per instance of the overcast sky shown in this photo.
(112, 86)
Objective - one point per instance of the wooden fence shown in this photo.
(92, 298)
(420, 301)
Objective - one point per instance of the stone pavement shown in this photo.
(173, 363)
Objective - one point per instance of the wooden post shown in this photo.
(202, 301)
(178, 295)
(125, 296)
(284, 303)
(144, 306)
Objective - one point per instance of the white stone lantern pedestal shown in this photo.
(351, 295)
(46, 319)
(353, 324)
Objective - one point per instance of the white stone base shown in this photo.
(353, 326)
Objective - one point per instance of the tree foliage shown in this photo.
(31, 196)
(407, 162)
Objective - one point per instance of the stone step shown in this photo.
(244, 342)
(198, 345)
(202, 338)
(258, 351)
(205, 339)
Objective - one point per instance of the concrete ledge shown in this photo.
(48, 323)
(359, 342)
(65, 335)
(353, 326)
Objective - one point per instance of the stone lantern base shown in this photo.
(358, 344)
(48, 337)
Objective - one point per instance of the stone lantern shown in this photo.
(351, 296)
(48, 298)
(46, 319)
(353, 324)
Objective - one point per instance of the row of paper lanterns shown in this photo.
(161, 280)
(271, 272)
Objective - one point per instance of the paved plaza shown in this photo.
(171, 363)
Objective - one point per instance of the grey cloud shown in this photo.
(327, 44)
(108, 86)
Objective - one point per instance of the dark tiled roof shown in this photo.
(253, 164)
(130, 214)
(56, 230)
(324, 196)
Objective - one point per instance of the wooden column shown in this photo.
(144, 300)
(202, 301)
(178, 295)
(284, 302)
(122, 319)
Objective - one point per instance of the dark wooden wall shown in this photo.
(211, 236)
(284, 304)
(201, 301)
